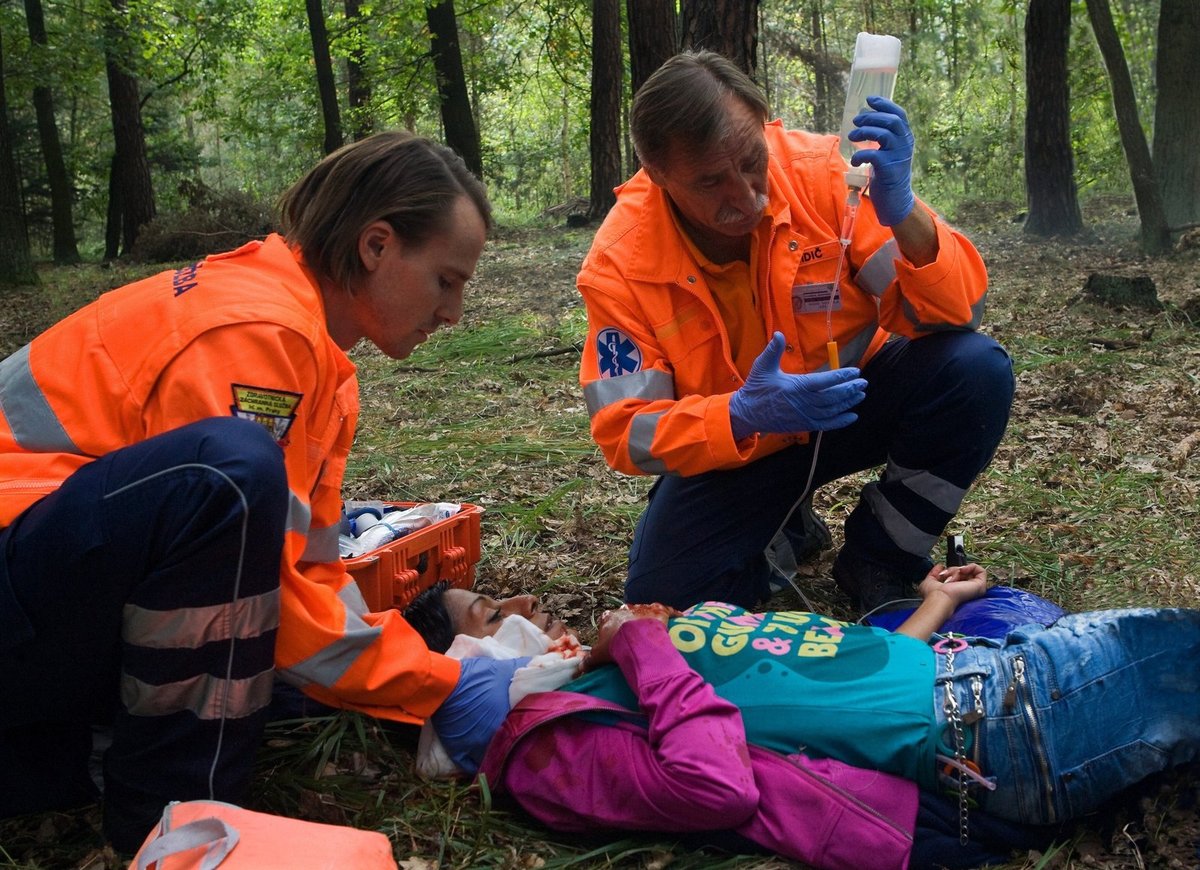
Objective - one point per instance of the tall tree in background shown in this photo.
(131, 192)
(604, 136)
(1049, 163)
(58, 179)
(457, 120)
(729, 27)
(1156, 237)
(326, 85)
(653, 37)
(1176, 119)
(358, 88)
(16, 261)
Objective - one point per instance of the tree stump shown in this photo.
(1137, 291)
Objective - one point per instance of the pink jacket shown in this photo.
(685, 766)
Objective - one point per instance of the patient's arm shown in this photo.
(942, 591)
(688, 771)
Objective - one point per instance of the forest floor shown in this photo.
(1091, 501)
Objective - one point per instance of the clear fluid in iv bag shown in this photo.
(863, 83)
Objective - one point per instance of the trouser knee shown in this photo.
(244, 451)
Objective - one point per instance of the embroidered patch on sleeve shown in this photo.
(274, 409)
(617, 353)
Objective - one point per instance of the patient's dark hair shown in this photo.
(430, 616)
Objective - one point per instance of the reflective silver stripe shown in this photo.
(904, 534)
(880, 269)
(940, 493)
(208, 697)
(976, 318)
(299, 515)
(322, 545)
(192, 627)
(646, 385)
(34, 424)
(641, 439)
(327, 666)
(851, 353)
(352, 599)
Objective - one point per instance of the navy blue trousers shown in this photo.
(143, 593)
(935, 411)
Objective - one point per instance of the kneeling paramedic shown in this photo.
(171, 460)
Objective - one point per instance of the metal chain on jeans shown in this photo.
(950, 705)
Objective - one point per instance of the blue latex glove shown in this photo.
(891, 176)
(470, 717)
(774, 401)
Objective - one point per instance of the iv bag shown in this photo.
(872, 73)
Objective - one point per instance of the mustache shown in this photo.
(731, 215)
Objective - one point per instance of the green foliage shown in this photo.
(229, 91)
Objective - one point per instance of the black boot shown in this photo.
(872, 587)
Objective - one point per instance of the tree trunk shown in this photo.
(1156, 238)
(326, 85)
(729, 27)
(16, 260)
(131, 169)
(604, 137)
(65, 249)
(1176, 121)
(112, 215)
(653, 37)
(457, 119)
(826, 87)
(1049, 163)
(358, 88)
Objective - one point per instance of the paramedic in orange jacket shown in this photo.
(711, 299)
(171, 458)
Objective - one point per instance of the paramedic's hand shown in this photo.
(611, 622)
(469, 718)
(774, 401)
(891, 165)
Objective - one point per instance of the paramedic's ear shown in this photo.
(373, 242)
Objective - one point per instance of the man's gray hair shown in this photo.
(683, 104)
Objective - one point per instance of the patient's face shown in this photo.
(480, 616)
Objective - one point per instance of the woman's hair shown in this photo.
(683, 102)
(428, 614)
(406, 180)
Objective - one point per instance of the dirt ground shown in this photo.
(1037, 295)
(1142, 413)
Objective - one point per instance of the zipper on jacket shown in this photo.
(832, 786)
(43, 485)
(1020, 688)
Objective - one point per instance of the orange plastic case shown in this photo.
(394, 574)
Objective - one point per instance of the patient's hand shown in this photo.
(960, 584)
(611, 622)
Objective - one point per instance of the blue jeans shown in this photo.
(1077, 712)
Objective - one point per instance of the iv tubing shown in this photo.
(848, 219)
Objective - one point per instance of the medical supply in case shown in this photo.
(425, 543)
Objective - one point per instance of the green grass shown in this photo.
(1086, 502)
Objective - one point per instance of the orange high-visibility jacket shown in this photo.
(657, 370)
(241, 333)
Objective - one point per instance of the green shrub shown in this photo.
(215, 221)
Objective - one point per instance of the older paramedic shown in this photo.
(720, 302)
(171, 458)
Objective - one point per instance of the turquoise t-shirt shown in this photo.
(808, 683)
